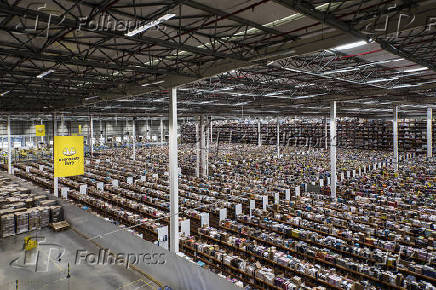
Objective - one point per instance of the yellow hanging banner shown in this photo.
(40, 130)
(80, 129)
(69, 158)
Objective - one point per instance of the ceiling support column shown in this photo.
(9, 146)
(197, 149)
(55, 179)
(203, 171)
(429, 132)
(101, 130)
(326, 133)
(134, 138)
(278, 138)
(395, 135)
(161, 132)
(42, 137)
(105, 131)
(30, 137)
(333, 150)
(63, 129)
(147, 130)
(91, 142)
(207, 145)
(173, 170)
(211, 131)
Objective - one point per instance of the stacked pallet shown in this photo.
(21, 211)
(7, 225)
(21, 222)
(34, 219)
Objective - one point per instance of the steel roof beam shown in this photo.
(72, 24)
(307, 8)
(214, 11)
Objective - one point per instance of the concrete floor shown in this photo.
(50, 273)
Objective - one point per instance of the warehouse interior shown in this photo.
(186, 144)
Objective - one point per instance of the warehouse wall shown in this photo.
(106, 128)
(364, 134)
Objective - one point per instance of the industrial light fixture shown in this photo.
(241, 104)
(89, 98)
(351, 45)
(155, 83)
(416, 69)
(159, 100)
(341, 70)
(4, 93)
(149, 25)
(414, 85)
(404, 86)
(226, 88)
(273, 94)
(40, 76)
(381, 80)
(308, 96)
(292, 70)
(304, 85)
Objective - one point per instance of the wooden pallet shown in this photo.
(60, 226)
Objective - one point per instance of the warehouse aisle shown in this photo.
(48, 268)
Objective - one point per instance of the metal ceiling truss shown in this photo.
(226, 59)
(384, 10)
